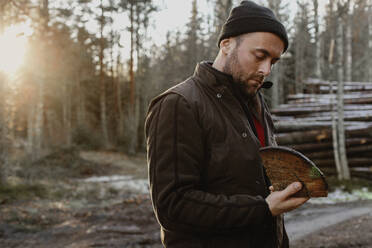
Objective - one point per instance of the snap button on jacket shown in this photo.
(207, 181)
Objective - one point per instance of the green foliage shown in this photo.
(315, 173)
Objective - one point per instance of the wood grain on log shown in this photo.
(285, 166)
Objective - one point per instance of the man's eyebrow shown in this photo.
(264, 51)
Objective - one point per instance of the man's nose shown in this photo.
(265, 68)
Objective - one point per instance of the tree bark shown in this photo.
(345, 172)
(67, 115)
(318, 58)
(370, 41)
(102, 84)
(120, 121)
(348, 45)
(131, 60)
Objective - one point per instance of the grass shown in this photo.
(26, 191)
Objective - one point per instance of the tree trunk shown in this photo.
(39, 121)
(318, 57)
(345, 173)
(39, 109)
(370, 41)
(80, 104)
(275, 90)
(348, 46)
(298, 67)
(120, 121)
(131, 61)
(335, 137)
(31, 130)
(103, 86)
(67, 115)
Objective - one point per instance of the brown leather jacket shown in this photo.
(207, 182)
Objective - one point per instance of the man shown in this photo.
(207, 181)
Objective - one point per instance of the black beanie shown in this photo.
(249, 17)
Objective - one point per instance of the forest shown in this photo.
(67, 89)
(103, 92)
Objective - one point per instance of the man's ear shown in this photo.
(226, 45)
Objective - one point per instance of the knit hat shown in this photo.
(249, 17)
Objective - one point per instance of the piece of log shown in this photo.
(351, 98)
(314, 109)
(301, 137)
(351, 151)
(347, 88)
(352, 95)
(353, 115)
(309, 147)
(356, 172)
(352, 162)
(322, 82)
(300, 125)
(285, 166)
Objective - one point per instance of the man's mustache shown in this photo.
(259, 78)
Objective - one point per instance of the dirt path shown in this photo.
(312, 218)
(129, 224)
(355, 232)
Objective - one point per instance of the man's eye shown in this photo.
(260, 57)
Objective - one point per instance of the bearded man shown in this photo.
(208, 185)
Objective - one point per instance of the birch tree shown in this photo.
(318, 58)
(222, 10)
(369, 52)
(139, 13)
(102, 47)
(348, 40)
(344, 169)
(302, 46)
(36, 121)
(280, 10)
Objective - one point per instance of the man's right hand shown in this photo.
(282, 201)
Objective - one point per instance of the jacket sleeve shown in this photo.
(176, 160)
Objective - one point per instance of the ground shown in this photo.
(356, 232)
(97, 212)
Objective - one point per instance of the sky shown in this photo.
(173, 15)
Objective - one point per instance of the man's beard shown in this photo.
(233, 68)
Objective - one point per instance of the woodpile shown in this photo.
(305, 124)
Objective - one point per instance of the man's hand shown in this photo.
(281, 201)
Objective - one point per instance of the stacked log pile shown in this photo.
(305, 124)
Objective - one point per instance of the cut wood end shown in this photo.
(285, 166)
(321, 137)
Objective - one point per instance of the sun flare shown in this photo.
(13, 45)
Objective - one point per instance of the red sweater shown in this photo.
(260, 131)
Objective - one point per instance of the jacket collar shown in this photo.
(222, 83)
(216, 80)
